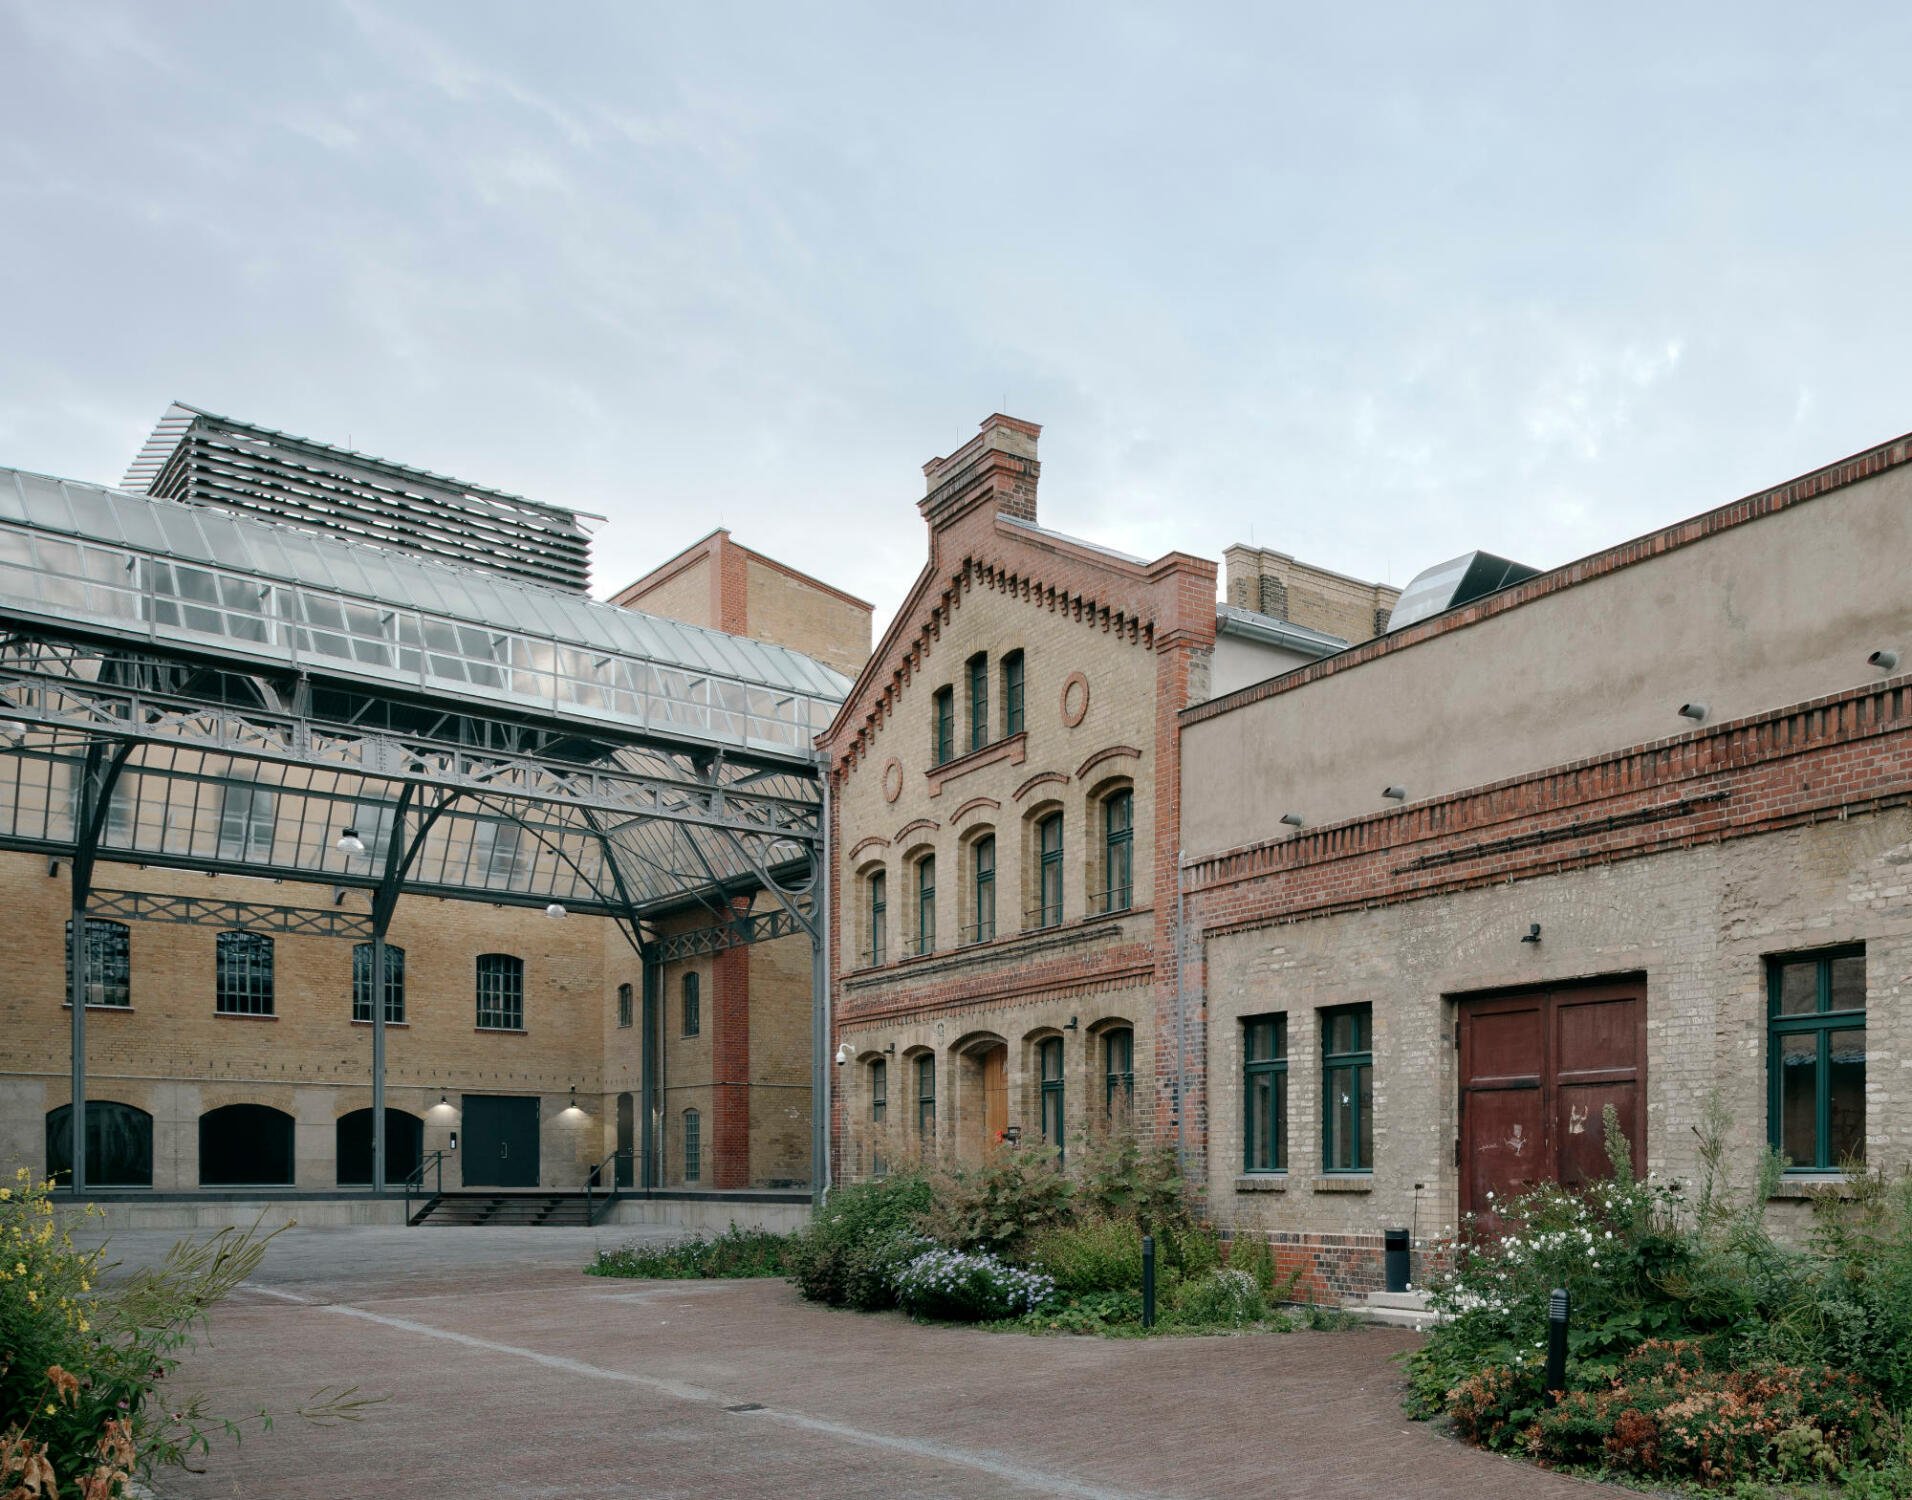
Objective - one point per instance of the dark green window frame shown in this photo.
(1012, 694)
(693, 993)
(1347, 1076)
(943, 725)
(879, 1090)
(242, 974)
(879, 915)
(1118, 850)
(1118, 1072)
(109, 966)
(1265, 1093)
(978, 701)
(1819, 1025)
(926, 904)
(1054, 1102)
(982, 865)
(500, 992)
(1048, 911)
(394, 984)
(926, 1096)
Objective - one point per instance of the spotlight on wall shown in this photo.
(1394, 793)
(555, 910)
(1694, 711)
(1072, 1024)
(52, 869)
(350, 842)
(1885, 660)
(1293, 820)
(1532, 934)
(890, 1051)
(843, 1054)
(572, 1107)
(17, 735)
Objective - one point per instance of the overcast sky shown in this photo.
(1372, 285)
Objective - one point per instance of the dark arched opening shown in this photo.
(404, 1147)
(119, 1145)
(245, 1145)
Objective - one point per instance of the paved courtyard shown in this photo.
(510, 1374)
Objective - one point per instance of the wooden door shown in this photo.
(1538, 1069)
(995, 1087)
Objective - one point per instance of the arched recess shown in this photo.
(1111, 870)
(980, 1079)
(979, 885)
(404, 1147)
(1046, 1053)
(245, 1145)
(1112, 1073)
(119, 1144)
(1044, 899)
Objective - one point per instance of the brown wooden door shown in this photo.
(995, 1071)
(1537, 1072)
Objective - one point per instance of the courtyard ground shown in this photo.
(511, 1374)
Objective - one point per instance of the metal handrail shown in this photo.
(415, 1180)
(594, 1178)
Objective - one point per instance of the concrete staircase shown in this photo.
(1397, 1310)
(521, 1209)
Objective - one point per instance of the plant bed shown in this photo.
(736, 1253)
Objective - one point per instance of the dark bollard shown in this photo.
(1148, 1281)
(1557, 1308)
(1395, 1257)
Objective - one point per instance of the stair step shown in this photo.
(1404, 1301)
(1397, 1317)
(523, 1210)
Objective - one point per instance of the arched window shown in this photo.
(242, 974)
(1118, 1074)
(624, 1009)
(926, 904)
(879, 1090)
(978, 670)
(404, 1147)
(982, 889)
(1048, 912)
(500, 992)
(1118, 851)
(394, 984)
(245, 1145)
(109, 963)
(119, 1144)
(693, 1004)
(926, 1097)
(1049, 1057)
(1012, 694)
(693, 1146)
(879, 909)
(942, 733)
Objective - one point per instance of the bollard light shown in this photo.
(1558, 1309)
(1148, 1281)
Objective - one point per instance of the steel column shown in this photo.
(92, 792)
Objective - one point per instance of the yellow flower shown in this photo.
(51, 1408)
(5, 1193)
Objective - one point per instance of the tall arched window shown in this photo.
(879, 904)
(926, 904)
(245, 1145)
(119, 1144)
(394, 984)
(1049, 1056)
(500, 992)
(1118, 1074)
(624, 1005)
(1118, 851)
(242, 974)
(1049, 871)
(693, 1004)
(982, 896)
(926, 1097)
(693, 1146)
(1012, 694)
(978, 670)
(109, 963)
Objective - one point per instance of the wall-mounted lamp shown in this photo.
(16, 735)
(52, 869)
(574, 1096)
(1694, 711)
(350, 842)
(1072, 1024)
(1532, 934)
(555, 910)
(843, 1054)
(1885, 660)
(338, 895)
(1394, 793)
(1293, 820)
(890, 1051)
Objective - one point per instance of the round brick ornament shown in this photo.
(892, 779)
(1075, 699)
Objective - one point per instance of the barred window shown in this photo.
(394, 984)
(500, 992)
(693, 1146)
(624, 1005)
(109, 963)
(242, 974)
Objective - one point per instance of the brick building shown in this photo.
(235, 1056)
(1005, 818)
(1625, 833)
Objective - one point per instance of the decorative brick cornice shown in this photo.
(975, 804)
(1041, 778)
(1012, 750)
(1112, 752)
(1849, 471)
(874, 841)
(920, 825)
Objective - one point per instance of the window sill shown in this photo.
(1362, 1182)
(1011, 748)
(237, 1015)
(389, 1025)
(92, 1009)
(1262, 1182)
(500, 1031)
(1810, 1185)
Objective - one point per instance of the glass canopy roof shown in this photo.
(198, 579)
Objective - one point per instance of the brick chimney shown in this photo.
(996, 468)
(1276, 584)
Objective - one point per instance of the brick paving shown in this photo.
(510, 1374)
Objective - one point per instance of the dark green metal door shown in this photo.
(501, 1141)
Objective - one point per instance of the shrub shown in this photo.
(1097, 1255)
(1119, 1179)
(848, 1254)
(734, 1253)
(1220, 1298)
(1088, 1312)
(1000, 1207)
(969, 1288)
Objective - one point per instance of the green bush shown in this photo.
(734, 1253)
(1118, 1178)
(969, 1288)
(1000, 1207)
(1097, 1254)
(1087, 1312)
(1219, 1299)
(850, 1251)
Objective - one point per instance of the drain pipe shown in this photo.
(1181, 1017)
(820, 1008)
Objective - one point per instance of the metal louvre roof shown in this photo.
(202, 579)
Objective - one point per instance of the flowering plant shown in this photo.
(968, 1288)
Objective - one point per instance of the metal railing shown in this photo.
(594, 1184)
(1116, 899)
(434, 1162)
(1049, 914)
(976, 932)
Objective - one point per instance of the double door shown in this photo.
(501, 1140)
(1538, 1071)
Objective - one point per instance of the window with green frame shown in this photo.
(1048, 912)
(1265, 1093)
(1118, 850)
(926, 1097)
(1012, 694)
(1049, 1056)
(978, 701)
(1816, 1058)
(982, 867)
(942, 738)
(879, 1090)
(1347, 1089)
(693, 995)
(879, 916)
(926, 904)
(1118, 1073)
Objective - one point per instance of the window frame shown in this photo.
(1053, 1093)
(877, 883)
(690, 996)
(925, 905)
(977, 669)
(503, 975)
(626, 1007)
(1049, 870)
(1118, 843)
(982, 887)
(1820, 1022)
(693, 1121)
(1268, 1072)
(879, 1090)
(244, 974)
(925, 1063)
(1014, 673)
(1355, 1063)
(109, 964)
(942, 731)
(394, 984)
(1118, 1080)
